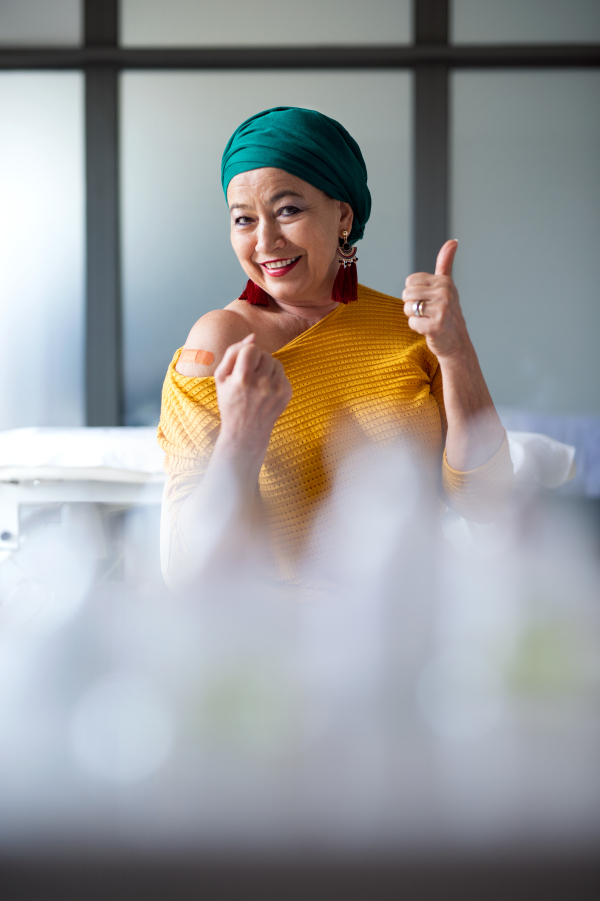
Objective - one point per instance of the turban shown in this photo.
(308, 144)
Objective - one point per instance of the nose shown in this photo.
(268, 236)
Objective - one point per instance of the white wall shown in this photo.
(524, 21)
(41, 249)
(526, 211)
(44, 22)
(183, 23)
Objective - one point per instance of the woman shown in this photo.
(275, 389)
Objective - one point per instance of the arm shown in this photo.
(209, 338)
(252, 392)
(475, 432)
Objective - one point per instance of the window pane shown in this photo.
(526, 209)
(40, 22)
(41, 249)
(288, 22)
(524, 21)
(177, 258)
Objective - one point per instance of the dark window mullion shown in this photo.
(104, 388)
(430, 196)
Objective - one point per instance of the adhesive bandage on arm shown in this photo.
(203, 357)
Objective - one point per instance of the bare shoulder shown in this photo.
(208, 340)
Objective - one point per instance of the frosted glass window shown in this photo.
(524, 21)
(230, 23)
(526, 211)
(177, 258)
(41, 249)
(40, 22)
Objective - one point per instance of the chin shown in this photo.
(287, 293)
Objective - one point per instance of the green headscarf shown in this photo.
(308, 144)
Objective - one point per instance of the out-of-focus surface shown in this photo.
(525, 181)
(41, 249)
(40, 22)
(524, 21)
(132, 449)
(418, 696)
(580, 432)
(184, 23)
(177, 258)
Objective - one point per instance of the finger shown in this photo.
(286, 392)
(230, 356)
(226, 365)
(264, 370)
(424, 292)
(266, 365)
(421, 278)
(248, 360)
(281, 384)
(278, 374)
(445, 258)
(419, 324)
(409, 310)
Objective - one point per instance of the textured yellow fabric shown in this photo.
(359, 376)
(479, 493)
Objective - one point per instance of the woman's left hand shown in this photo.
(441, 320)
(474, 429)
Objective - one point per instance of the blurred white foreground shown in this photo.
(418, 694)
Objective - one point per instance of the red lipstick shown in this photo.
(282, 270)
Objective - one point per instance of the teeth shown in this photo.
(281, 263)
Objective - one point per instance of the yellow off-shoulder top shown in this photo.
(360, 375)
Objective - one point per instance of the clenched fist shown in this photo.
(435, 297)
(253, 391)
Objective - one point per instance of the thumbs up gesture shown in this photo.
(432, 305)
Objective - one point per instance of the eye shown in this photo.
(288, 211)
(242, 220)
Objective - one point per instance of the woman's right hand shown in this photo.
(253, 391)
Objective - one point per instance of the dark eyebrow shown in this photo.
(274, 199)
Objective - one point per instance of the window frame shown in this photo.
(430, 57)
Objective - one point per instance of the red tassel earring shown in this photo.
(253, 294)
(345, 286)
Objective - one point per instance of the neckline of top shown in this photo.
(309, 331)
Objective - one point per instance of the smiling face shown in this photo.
(285, 234)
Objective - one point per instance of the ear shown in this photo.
(346, 216)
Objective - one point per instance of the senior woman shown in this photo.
(274, 389)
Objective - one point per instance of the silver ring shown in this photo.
(418, 308)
